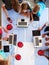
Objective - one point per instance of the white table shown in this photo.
(25, 35)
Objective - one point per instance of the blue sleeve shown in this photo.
(42, 7)
(3, 54)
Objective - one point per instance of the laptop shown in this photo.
(37, 38)
(23, 22)
(12, 39)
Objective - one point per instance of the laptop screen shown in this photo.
(36, 33)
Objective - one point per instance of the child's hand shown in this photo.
(9, 19)
(5, 38)
(5, 30)
(6, 13)
(39, 28)
(43, 35)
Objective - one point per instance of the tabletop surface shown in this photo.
(25, 35)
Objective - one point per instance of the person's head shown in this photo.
(36, 9)
(15, 5)
(24, 7)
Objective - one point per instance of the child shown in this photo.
(46, 30)
(34, 15)
(8, 5)
(42, 5)
(25, 9)
(16, 5)
(1, 32)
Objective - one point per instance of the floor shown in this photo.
(27, 38)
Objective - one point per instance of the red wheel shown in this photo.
(18, 57)
(9, 26)
(20, 44)
(1, 32)
(41, 52)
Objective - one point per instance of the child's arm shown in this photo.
(40, 28)
(6, 38)
(31, 16)
(6, 13)
(5, 10)
(46, 57)
(9, 60)
(5, 30)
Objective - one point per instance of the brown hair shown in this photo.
(36, 8)
(15, 5)
(24, 6)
